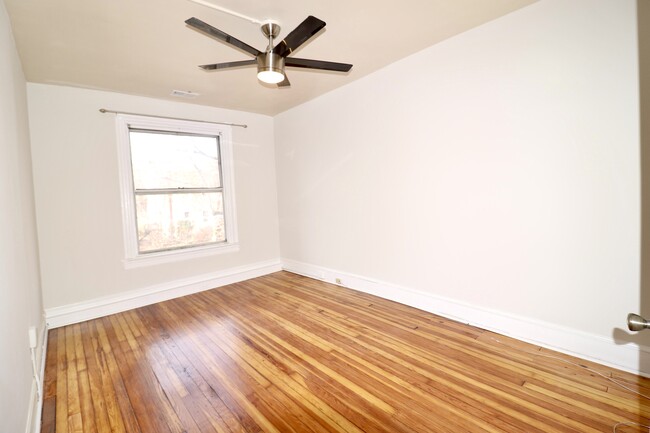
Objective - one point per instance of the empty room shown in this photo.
(373, 217)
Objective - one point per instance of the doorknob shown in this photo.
(636, 322)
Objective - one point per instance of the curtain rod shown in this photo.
(104, 110)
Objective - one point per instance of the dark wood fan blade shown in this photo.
(305, 30)
(222, 36)
(285, 82)
(225, 65)
(317, 64)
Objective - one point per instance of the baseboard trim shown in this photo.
(99, 307)
(566, 340)
(36, 398)
(32, 418)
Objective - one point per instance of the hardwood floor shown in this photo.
(285, 353)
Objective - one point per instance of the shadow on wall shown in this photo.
(623, 336)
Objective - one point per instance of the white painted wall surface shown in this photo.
(78, 199)
(499, 169)
(20, 293)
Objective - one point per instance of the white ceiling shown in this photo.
(143, 47)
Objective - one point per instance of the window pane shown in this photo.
(162, 160)
(179, 220)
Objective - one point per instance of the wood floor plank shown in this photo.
(104, 388)
(75, 421)
(49, 381)
(95, 392)
(285, 353)
(61, 381)
(85, 397)
(48, 419)
(125, 418)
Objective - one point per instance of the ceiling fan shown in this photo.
(271, 63)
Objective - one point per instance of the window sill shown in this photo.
(153, 259)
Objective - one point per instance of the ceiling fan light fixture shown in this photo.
(270, 77)
(270, 68)
(271, 63)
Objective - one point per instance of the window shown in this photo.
(177, 189)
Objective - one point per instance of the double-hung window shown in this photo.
(177, 189)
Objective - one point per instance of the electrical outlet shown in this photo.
(338, 281)
(32, 337)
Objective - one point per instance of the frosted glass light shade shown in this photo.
(270, 77)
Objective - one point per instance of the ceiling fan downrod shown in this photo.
(270, 66)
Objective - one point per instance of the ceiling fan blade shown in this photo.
(225, 65)
(218, 34)
(305, 30)
(317, 64)
(285, 82)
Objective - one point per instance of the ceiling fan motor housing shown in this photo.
(270, 61)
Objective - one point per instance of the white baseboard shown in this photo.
(36, 398)
(99, 307)
(32, 418)
(592, 347)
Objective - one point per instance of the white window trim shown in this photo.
(132, 258)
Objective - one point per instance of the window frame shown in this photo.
(132, 256)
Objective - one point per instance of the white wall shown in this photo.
(20, 294)
(78, 200)
(498, 169)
